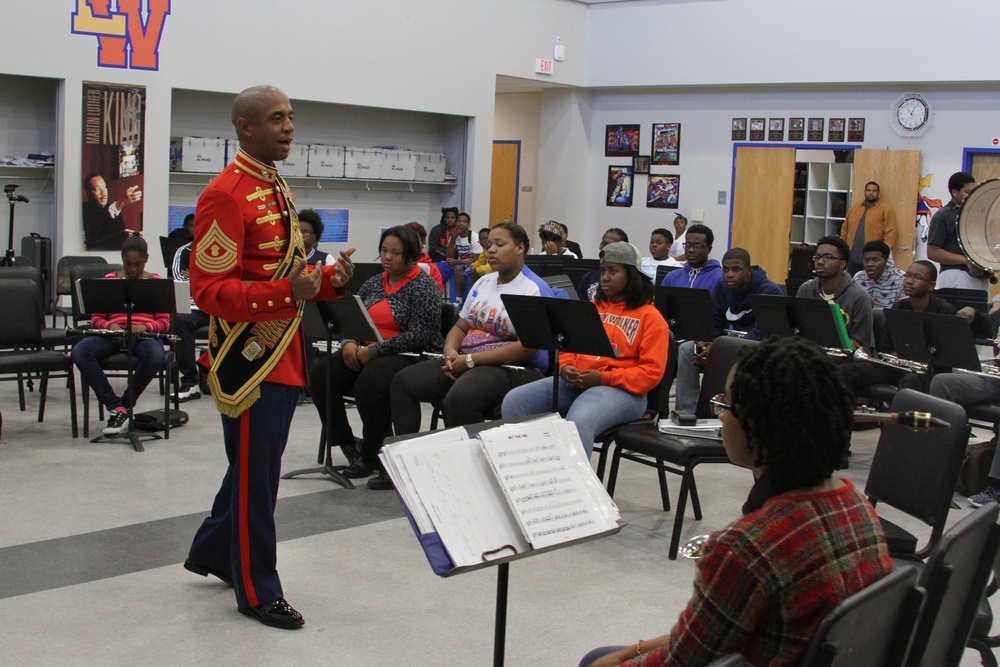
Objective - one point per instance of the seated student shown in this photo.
(918, 283)
(883, 283)
(586, 289)
(437, 247)
(554, 240)
(149, 355)
(659, 249)
(481, 265)
(425, 259)
(680, 231)
(463, 249)
(481, 351)
(807, 540)
(698, 271)
(185, 232)
(596, 393)
(730, 311)
(835, 286)
(311, 226)
(186, 327)
(572, 246)
(405, 305)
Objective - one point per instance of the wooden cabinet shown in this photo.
(762, 206)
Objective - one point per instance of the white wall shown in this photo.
(438, 56)
(963, 118)
(711, 42)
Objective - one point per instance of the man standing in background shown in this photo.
(869, 220)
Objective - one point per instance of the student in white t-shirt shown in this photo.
(660, 242)
(680, 231)
(463, 249)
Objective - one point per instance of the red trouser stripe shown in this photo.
(244, 514)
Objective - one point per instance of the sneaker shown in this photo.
(186, 393)
(117, 423)
(991, 494)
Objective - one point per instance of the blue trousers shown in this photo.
(88, 353)
(239, 538)
(592, 410)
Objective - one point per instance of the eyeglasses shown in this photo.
(695, 246)
(913, 276)
(827, 257)
(719, 405)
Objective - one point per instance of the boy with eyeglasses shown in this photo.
(834, 285)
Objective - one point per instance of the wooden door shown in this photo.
(898, 176)
(503, 187)
(985, 166)
(762, 207)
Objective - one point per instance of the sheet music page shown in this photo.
(548, 482)
(451, 479)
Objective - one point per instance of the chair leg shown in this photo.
(679, 518)
(695, 504)
(85, 393)
(661, 474)
(166, 403)
(43, 388)
(20, 392)
(602, 458)
(613, 473)
(986, 657)
(72, 404)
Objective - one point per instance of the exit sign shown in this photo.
(543, 66)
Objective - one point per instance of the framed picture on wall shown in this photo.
(796, 129)
(776, 129)
(756, 129)
(640, 165)
(739, 129)
(816, 129)
(621, 183)
(856, 129)
(663, 190)
(666, 143)
(836, 129)
(621, 141)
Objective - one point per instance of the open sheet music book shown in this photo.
(512, 489)
(704, 428)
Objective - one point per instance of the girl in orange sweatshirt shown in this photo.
(596, 393)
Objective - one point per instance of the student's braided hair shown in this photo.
(795, 409)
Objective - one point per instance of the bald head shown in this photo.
(255, 100)
(262, 116)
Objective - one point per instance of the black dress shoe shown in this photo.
(357, 470)
(381, 482)
(205, 570)
(277, 614)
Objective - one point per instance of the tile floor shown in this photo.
(93, 537)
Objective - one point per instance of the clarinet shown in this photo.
(120, 333)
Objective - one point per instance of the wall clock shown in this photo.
(910, 115)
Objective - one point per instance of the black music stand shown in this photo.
(100, 295)
(785, 316)
(945, 341)
(323, 319)
(502, 563)
(688, 311)
(557, 325)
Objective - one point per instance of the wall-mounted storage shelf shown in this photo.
(197, 179)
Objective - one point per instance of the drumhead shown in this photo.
(979, 225)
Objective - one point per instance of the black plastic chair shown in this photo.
(678, 454)
(872, 628)
(955, 577)
(22, 333)
(64, 284)
(980, 639)
(915, 471)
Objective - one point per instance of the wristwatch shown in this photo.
(469, 362)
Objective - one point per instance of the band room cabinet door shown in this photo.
(762, 207)
(898, 176)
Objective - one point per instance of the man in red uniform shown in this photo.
(248, 271)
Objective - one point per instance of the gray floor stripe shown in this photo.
(40, 566)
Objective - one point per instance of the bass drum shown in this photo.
(979, 226)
